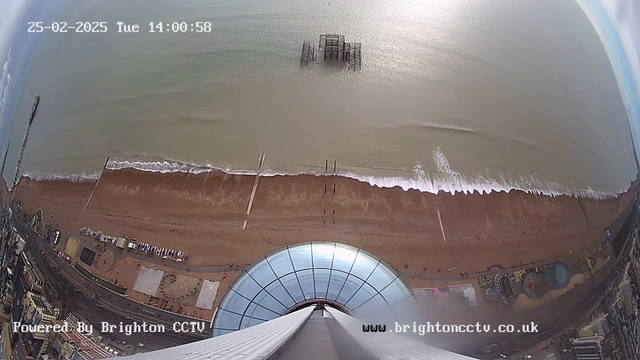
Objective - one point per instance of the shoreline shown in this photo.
(443, 180)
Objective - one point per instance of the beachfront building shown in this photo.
(37, 311)
(74, 345)
(588, 348)
(312, 301)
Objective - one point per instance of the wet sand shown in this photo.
(203, 215)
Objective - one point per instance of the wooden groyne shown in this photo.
(254, 189)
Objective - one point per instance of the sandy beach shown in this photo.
(203, 216)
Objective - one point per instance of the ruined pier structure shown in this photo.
(332, 47)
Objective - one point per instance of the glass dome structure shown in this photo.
(341, 275)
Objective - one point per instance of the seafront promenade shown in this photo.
(576, 300)
(91, 298)
(204, 215)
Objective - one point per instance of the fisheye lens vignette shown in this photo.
(320, 179)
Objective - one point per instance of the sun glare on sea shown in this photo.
(442, 9)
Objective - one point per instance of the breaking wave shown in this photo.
(76, 178)
(159, 166)
(443, 179)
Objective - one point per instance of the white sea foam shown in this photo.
(480, 184)
(164, 166)
(443, 179)
(442, 163)
(76, 178)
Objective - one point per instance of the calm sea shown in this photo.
(471, 94)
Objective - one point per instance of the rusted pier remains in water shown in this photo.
(308, 54)
(332, 47)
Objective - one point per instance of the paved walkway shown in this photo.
(123, 254)
(105, 298)
(118, 255)
(494, 270)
